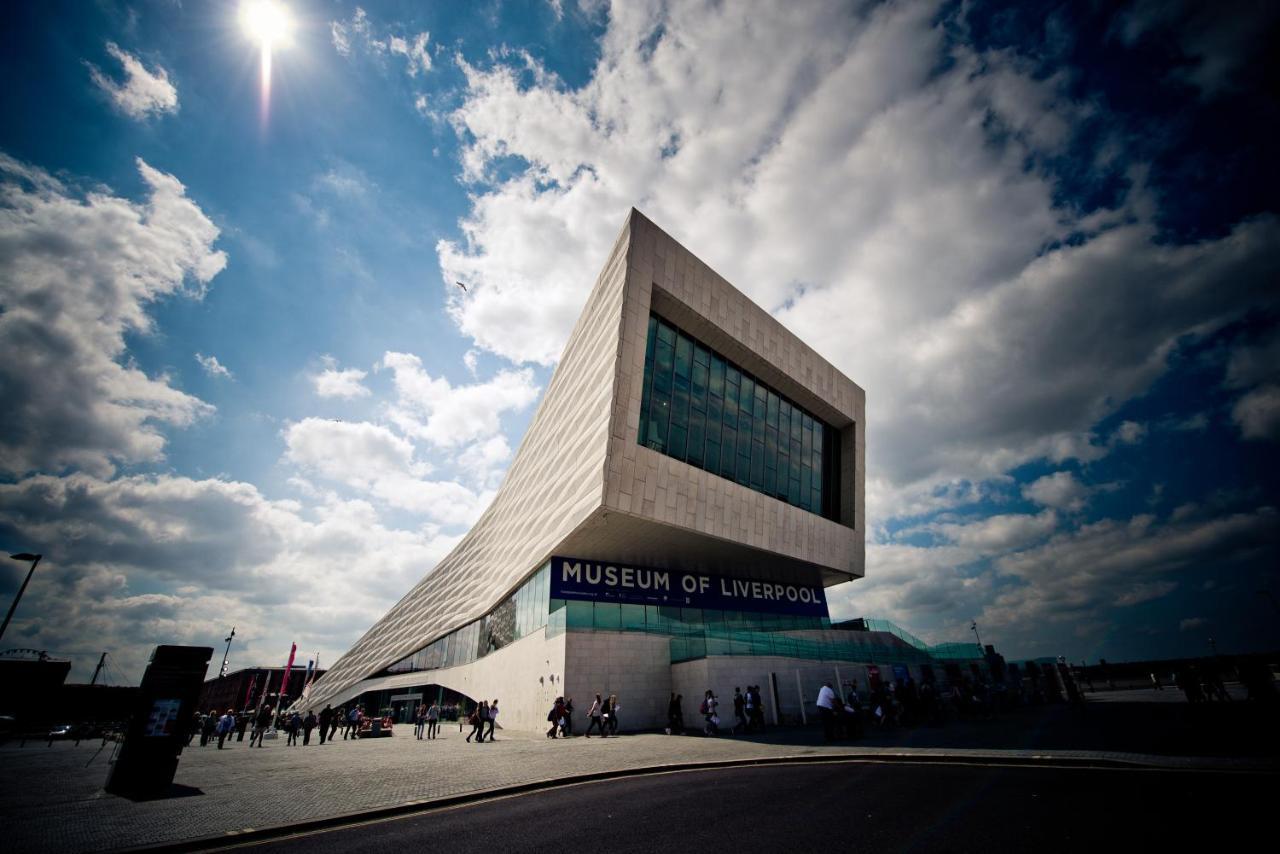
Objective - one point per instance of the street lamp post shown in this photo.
(223, 671)
(35, 559)
(974, 625)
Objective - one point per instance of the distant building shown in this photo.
(30, 681)
(242, 689)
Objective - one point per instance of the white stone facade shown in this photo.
(581, 484)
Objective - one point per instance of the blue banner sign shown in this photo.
(599, 581)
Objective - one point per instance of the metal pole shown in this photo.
(35, 559)
(804, 718)
(225, 655)
(98, 669)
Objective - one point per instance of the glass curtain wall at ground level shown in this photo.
(706, 411)
(520, 614)
(697, 633)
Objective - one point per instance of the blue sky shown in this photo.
(243, 388)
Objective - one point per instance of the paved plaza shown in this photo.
(51, 798)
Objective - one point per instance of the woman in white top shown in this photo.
(493, 718)
(709, 705)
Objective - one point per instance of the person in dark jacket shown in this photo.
(326, 721)
(209, 727)
(555, 716)
(261, 725)
(308, 724)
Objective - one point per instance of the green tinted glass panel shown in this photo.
(698, 407)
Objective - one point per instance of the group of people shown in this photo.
(482, 719)
(748, 712)
(561, 717)
(426, 721)
(602, 717)
(221, 726)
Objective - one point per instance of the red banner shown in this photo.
(284, 682)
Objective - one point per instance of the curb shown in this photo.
(232, 838)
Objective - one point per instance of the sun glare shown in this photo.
(270, 26)
(266, 22)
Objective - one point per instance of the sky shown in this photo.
(241, 387)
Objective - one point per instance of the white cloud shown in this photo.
(999, 533)
(1081, 574)
(359, 32)
(1060, 490)
(77, 273)
(1215, 42)
(1257, 414)
(1190, 624)
(375, 462)
(213, 367)
(137, 561)
(340, 37)
(484, 462)
(416, 55)
(446, 415)
(346, 384)
(990, 325)
(1129, 433)
(143, 93)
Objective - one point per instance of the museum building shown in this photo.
(689, 487)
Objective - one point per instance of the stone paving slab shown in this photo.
(51, 798)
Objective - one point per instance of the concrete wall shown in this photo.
(525, 677)
(633, 665)
(798, 682)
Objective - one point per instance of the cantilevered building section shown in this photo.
(689, 486)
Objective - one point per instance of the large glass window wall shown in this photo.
(706, 411)
(516, 616)
(661, 619)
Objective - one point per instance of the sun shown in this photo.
(270, 26)
(266, 22)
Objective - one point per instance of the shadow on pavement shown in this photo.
(1237, 729)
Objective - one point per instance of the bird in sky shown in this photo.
(464, 287)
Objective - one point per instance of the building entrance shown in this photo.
(403, 707)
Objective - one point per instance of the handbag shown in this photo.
(715, 719)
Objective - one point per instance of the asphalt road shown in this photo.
(829, 807)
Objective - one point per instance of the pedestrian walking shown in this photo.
(326, 721)
(493, 718)
(566, 728)
(308, 724)
(293, 725)
(739, 710)
(614, 708)
(827, 710)
(226, 724)
(555, 717)
(260, 725)
(606, 717)
(433, 721)
(338, 719)
(675, 715)
(477, 721)
(711, 718)
(353, 721)
(596, 714)
(194, 726)
(420, 721)
(208, 727)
